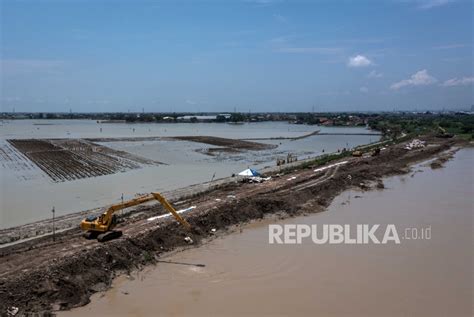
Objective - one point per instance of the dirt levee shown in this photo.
(231, 144)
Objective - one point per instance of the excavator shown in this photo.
(101, 227)
(442, 133)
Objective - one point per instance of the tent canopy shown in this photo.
(249, 172)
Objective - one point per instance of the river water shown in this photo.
(241, 274)
(27, 194)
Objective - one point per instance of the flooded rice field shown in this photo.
(70, 159)
(241, 274)
(75, 165)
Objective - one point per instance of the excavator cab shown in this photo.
(357, 153)
(94, 227)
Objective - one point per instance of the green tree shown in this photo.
(237, 117)
(220, 118)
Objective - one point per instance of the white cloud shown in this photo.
(359, 61)
(375, 74)
(420, 78)
(364, 90)
(190, 102)
(458, 82)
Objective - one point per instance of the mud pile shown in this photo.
(227, 144)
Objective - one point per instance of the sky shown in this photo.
(247, 55)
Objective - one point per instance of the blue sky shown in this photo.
(258, 55)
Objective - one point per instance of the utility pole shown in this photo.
(54, 229)
(121, 212)
(210, 183)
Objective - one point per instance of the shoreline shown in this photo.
(144, 243)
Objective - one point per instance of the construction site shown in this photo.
(236, 158)
(63, 269)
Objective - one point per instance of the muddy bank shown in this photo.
(285, 138)
(64, 274)
(442, 159)
(241, 144)
(226, 144)
(125, 139)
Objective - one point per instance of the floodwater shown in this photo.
(27, 194)
(244, 275)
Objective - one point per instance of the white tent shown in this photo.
(249, 172)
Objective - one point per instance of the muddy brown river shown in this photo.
(242, 275)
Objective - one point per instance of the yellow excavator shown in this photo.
(101, 227)
(357, 153)
(442, 133)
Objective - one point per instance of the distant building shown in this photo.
(328, 123)
(197, 118)
(225, 115)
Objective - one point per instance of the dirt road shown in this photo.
(42, 275)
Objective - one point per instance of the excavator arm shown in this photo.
(107, 216)
(170, 208)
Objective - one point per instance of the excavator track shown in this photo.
(109, 235)
(90, 235)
